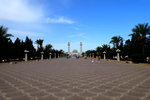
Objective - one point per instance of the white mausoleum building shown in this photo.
(75, 52)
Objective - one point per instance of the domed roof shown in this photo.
(75, 51)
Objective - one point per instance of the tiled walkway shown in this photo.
(74, 79)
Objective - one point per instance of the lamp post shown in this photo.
(26, 54)
(104, 55)
(118, 57)
(42, 55)
(50, 55)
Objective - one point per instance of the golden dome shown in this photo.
(75, 51)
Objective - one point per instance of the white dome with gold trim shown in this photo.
(74, 51)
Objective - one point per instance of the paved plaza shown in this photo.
(74, 79)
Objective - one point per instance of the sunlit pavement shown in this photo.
(74, 79)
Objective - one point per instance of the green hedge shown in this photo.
(138, 58)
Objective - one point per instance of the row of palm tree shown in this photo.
(15, 50)
(137, 48)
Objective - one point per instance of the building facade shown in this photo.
(75, 52)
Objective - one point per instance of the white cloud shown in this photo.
(82, 35)
(23, 33)
(19, 10)
(59, 20)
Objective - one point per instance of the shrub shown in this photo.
(138, 58)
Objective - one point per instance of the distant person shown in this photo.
(85, 57)
(99, 58)
(66, 57)
(96, 59)
(92, 59)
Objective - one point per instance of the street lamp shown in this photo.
(26, 54)
(42, 55)
(118, 57)
(104, 55)
(50, 55)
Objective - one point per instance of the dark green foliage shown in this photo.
(18, 49)
(117, 41)
(137, 58)
(47, 50)
(137, 48)
(15, 50)
(28, 45)
(5, 42)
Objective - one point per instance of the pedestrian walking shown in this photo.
(96, 59)
(99, 59)
(92, 59)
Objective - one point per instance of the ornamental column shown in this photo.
(69, 48)
(80, 48)
(118, 56)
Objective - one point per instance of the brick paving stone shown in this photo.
(112, 94)
(85, 87)
(75, 97)
(50, 97)
(38, 94)
(87, 94)
(119, 90)
(145, 86)
(102, 97)
(63, 94)
(65, 87)
(11, 90)
(136, 94)
(147, 98)
(75, 90)
(14, 94)
(105, 87)
(53, 90)
(2, 98)
(74, 79)
(141, 90)
(21, 98)
(127, 97)
(97, 90)
(30, 90)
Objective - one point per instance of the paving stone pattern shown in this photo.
(74, 79)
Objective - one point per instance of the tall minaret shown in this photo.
(69, 48)
(80, 48)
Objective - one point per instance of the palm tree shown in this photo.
(105, 47)
(116, 41)
(98, 50)
(39, 43)
(48, 48)
(3, 33)
(5, 43)
(139, 33)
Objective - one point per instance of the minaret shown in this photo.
(80, 48)
(69, 48)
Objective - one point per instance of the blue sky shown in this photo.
(92, 22)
